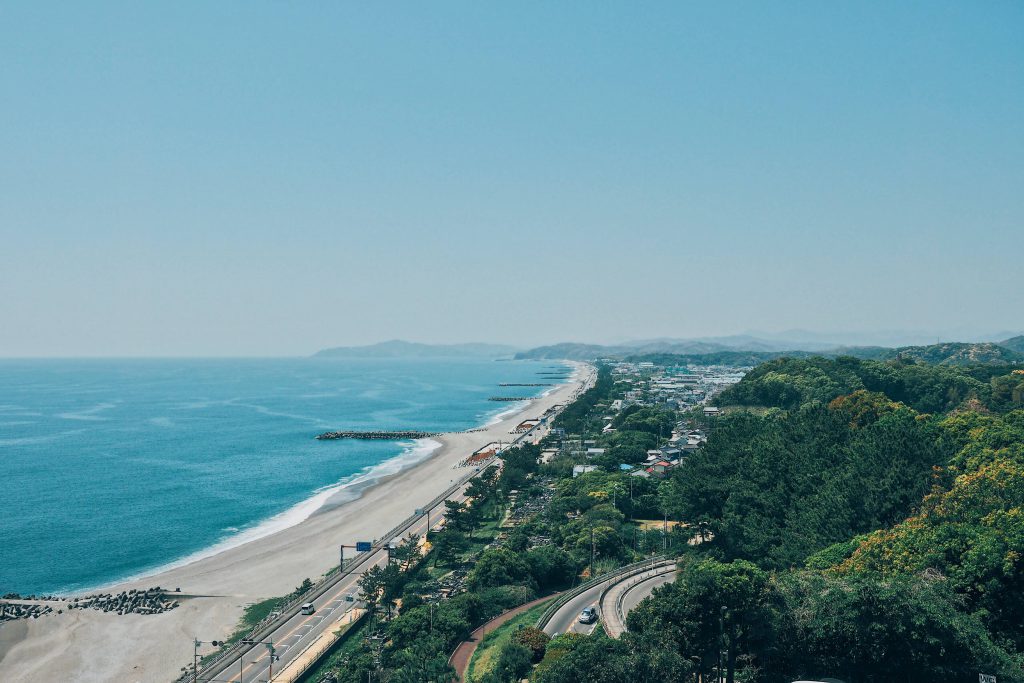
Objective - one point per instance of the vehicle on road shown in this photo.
(588, 615)
(307, 608)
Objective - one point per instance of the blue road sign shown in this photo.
(363, 546)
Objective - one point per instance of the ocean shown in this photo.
(112, 469)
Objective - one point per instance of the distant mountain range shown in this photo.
(737, 349)
(404, 349)
(751, 350)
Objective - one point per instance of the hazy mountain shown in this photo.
(736, 342)
(404, 349)
(672, 346)
(1015, 344)
(749, 351)
(574, 351)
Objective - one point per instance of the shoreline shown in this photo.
(338, 494)
(76, 646)
(324, 498)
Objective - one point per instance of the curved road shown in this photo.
(564, 620)
(608, 592)
(635, 595)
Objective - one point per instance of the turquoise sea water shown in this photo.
(113, 468)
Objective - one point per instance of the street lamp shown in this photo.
(271, 650)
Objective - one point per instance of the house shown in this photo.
(711, 411)
(595, 452)
(643, 474)
(661, 467)
(577, 470)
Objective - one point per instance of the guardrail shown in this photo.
(572, 593)
(316, 650)
(330, 579)
(641, 575)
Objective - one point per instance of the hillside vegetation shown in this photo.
(869, 526)
(789, 383)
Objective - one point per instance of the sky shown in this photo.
(272, 178)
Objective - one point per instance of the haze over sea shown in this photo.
(115, 468)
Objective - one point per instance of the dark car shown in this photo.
(588, 615)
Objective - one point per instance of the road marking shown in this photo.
(349, 583)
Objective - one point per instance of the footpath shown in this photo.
(464, 652)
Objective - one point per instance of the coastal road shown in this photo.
(292, 637)
(565, 619)
(621, 598)
(604, 597)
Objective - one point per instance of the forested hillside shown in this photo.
(791, 382)
(864, 522)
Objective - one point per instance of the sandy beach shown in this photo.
(88, 645)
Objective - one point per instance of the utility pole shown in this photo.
(666, 530)
(592, 549)
(270, 649)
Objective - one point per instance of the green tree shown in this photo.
(904, 628)
(711, 605)
(499, 567)
(514, 662)
(447, 546)
(550, 566)
(534, 640)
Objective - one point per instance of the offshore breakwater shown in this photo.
(402, 435)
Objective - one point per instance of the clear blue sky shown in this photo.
(275, 177)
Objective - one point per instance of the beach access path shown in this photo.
(95, 647)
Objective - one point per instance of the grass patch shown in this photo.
(254, 613)
(485, 658)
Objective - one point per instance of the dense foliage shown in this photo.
(865, 521)
(789, 383)
(868, 526)
(776, 488)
